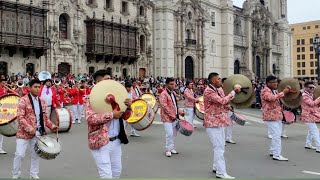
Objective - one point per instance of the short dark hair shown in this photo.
(169, 80)
(100, 73)
(212, 75)
(34, 81)
(270, 78)
(188, 82)
(223, 79)
(45, 81)
(306, 84)
(127, 84)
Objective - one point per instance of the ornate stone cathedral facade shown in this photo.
(178, 38)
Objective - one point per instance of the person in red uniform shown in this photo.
(77, 94)
(22, 89)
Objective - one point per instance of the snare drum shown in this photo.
(239, 119)
(199, 108)
(48, 147)
(288, 117)
(62, 118)
(184, 127)
(150, 99)
(142, 115)
(8, 114)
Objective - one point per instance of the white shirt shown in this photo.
(129, 95)
(174, 101)
(35, 101)
(47, 98)
(113, 128)
(137, 91)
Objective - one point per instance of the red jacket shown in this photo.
(2, 91)
(76, 96)
(55, 102)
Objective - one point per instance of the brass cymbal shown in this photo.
(245, 104)
(294, 85)
(245, 84)
(292, 103)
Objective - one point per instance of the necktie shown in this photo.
(47, 91)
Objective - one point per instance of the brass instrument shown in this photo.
(43, 75)
(20, 84)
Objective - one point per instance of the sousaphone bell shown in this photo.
(43, 75)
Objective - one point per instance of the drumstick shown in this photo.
(41, 141)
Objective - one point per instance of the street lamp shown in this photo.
(316, 45)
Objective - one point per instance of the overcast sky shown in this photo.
(298, 10)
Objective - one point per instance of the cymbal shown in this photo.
(246, 87)
(316, 92)
(292, 103)
(101, 90)
(245, 104)
(294, 85)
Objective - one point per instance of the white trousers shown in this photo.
(313, 133)
(189, 114)
(217, 138)
(275, 129)
(1, 141)
(229, 132)
(131, 129)
(283, 130)
(22, 145)
(76, 111)
(48, 111)
(171, 133)
(108, 160)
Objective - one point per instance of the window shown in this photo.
(312, 71)
(292, 29)
(308, 27)
(299, 72)
(213, 46)
(303, 57)
(304, 28)
(141, 11)
(90, 1)
(188, 34)
(298, 64)
(311, 40)
(298, 49)
(108, 4)
(298, 42)
(311, 48)
(142, 44)
(303, 64)
(298, 57)
(317, 26)
(303, 72)
(302, 41)
(124, 6)
(311, 56)
(63, 27)
(213, 19)
(311, 64)
(303, 49)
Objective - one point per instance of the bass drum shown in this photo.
(151, 100)
(8, 115)
(142, 115)
(62, 118)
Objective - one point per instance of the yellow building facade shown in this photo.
(304, 57)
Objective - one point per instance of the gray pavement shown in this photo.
(144, 156)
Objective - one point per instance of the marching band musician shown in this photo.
(189, 102)
(310, 115)
(169, 113)
(49, 95)
(272, 114)
(77, 93)
(105, 135)
(136, 93)
(22, 89)
(32, 119)
(216, 119)
(58, 87)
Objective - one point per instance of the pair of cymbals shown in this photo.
(245, 104)
(293, 98)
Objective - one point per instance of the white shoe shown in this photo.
(168, 154)
(214, 169)
(280, 158)
(174, 151)
(224, 176)
(15, 177)
(34, 177)
(134, 134)
(284, 136)
(270, 136)
(79, 122)
(2, 152)
(73, 122)
(309, 146)
(230, 141)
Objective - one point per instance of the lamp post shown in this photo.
(316, 45)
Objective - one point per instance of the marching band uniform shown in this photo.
(189, 102)
(21, 91)
(169, 114)
(229, 129)
(272, 114)
(215, 120)
(105, 136)
(32, 118)
(49, 95)
(310, 115)
(77, 104)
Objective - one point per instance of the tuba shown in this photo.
(43, 75)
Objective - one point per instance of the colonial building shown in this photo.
(179, 38)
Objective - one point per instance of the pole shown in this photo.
(318, 62)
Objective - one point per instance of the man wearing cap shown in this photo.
(272, 114)
(105, 135)
(49, 95)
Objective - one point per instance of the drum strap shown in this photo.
(41, 129)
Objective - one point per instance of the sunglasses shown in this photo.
(311, 87)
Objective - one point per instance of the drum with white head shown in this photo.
(8, 114)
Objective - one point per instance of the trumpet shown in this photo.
(57, 82)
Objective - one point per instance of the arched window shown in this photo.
(236, 67)
(213, 46)
(142, 43)
(63, 27)
(141, 11)
(124, 72)
(30, 68)
(188, 34)
(109, 69)
(274, 69)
